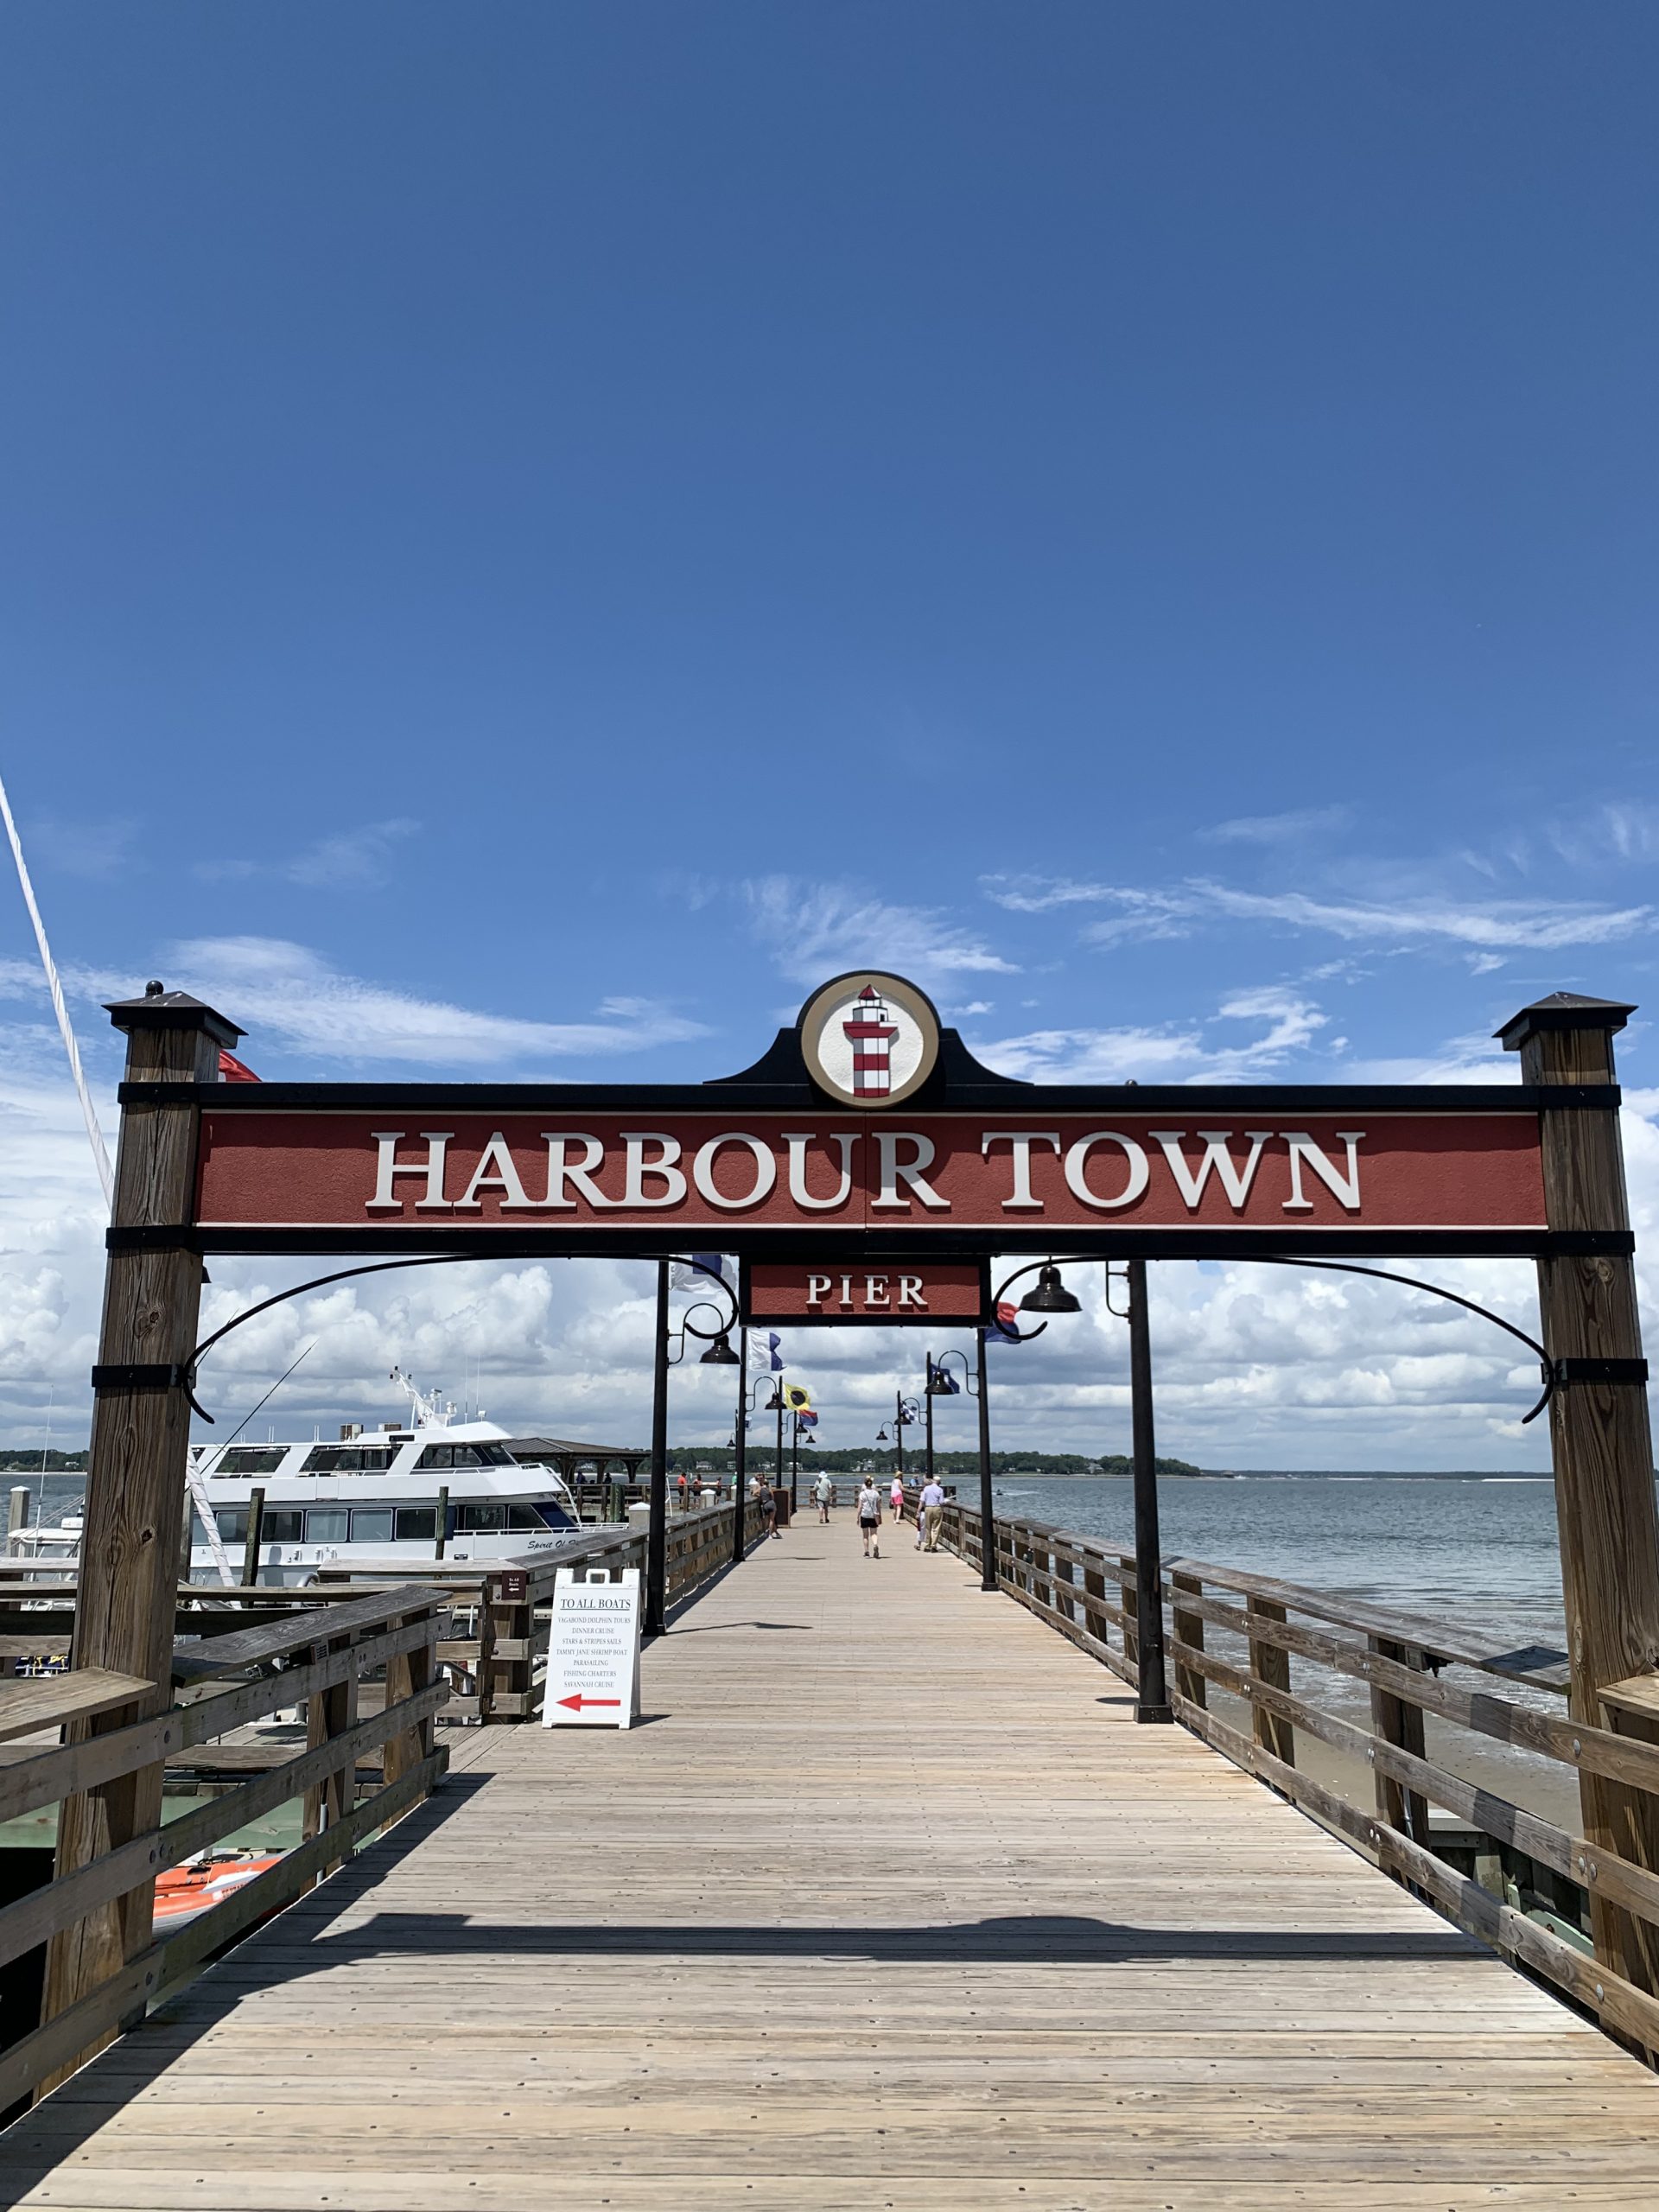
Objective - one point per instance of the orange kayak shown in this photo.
(198, 1885)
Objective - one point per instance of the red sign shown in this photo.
(922, 1290)
(705, 1174)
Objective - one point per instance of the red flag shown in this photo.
(230, 1070)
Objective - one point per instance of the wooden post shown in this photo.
(408, 1672)
(1400, 1724)
(253, 1536)
(16, 1515)
(127, 1590)
(1272, 1666)
(329, 1713)
(1602, 1443)
(441, 1524)
(1189, 1629)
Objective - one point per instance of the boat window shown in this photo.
(347, 1459)
(250, 1459)
(493, 1455)
(326, 1525)
(232, 1524)
(437, 1455)
(282, 1526)
(416, 1521)
(371, 1525)
(524, 1517)
(481, 1520)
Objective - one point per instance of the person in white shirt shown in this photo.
(870, 1519)
(931, 1516)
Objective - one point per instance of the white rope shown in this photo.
(100, 1153)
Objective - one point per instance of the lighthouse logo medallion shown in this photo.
(870, 1039)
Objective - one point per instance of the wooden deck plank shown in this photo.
(890, 1903)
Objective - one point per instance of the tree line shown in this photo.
(762, 1452)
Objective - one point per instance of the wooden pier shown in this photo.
(890, 1903)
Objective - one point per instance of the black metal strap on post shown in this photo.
(149, 1374)
(1563, 1372)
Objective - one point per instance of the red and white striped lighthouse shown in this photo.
(872, 1033)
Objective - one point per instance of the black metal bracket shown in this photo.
(1565, 1371)
(144, 1375)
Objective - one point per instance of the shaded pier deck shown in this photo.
(891, 1904)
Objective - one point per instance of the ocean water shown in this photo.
(1476, 1550)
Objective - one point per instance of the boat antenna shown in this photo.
(269, 1395)
(95, 1136)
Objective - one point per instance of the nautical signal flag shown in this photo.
(796, 1398)
(945, 1381)
(1004, 1330)
(688, 1273)
(807, 1418)
(764, 1354)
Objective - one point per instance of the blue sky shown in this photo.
(534, 535)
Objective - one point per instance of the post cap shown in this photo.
(161, 1010)
(1562, 1010)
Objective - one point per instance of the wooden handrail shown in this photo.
(331, 1647)
(1393, 1654)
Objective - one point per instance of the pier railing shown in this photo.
(499, 1654)
(335, 1657)
(1550, 1900)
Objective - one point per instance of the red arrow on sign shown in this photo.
(577, 1703)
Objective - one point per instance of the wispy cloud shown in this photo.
(1174, 1052)
(294, 996)
(1281, 828)
(1510, 924)
(90, 849)
(348, 860)
(812, 930)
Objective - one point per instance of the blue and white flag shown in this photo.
(764, 1354)
(683, 1276)
(945, 1380)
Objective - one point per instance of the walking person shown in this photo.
(823, 1489)
(931, 1516)
(896, 1498)
(869, 1519)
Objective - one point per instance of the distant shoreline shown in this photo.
(1298, 1475)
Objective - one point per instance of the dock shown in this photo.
(888, 1903)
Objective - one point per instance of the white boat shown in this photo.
(371, 1498)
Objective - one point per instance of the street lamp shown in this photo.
(906, 1413)
(669, 1348)
(1052, 1296)
(940, 1385)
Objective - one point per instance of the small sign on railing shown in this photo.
(593, 1650)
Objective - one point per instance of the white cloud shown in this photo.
(1538, 925)
(1281, 828)
(1172, 1053)
(286, 991)
(814, 930)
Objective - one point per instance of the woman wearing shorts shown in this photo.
(896, 1497)
(870, 1519)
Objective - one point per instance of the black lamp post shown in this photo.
(1052, 1296)
(747, 1394)
(940, 1386)
(719, 1354)
(906, 1412)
